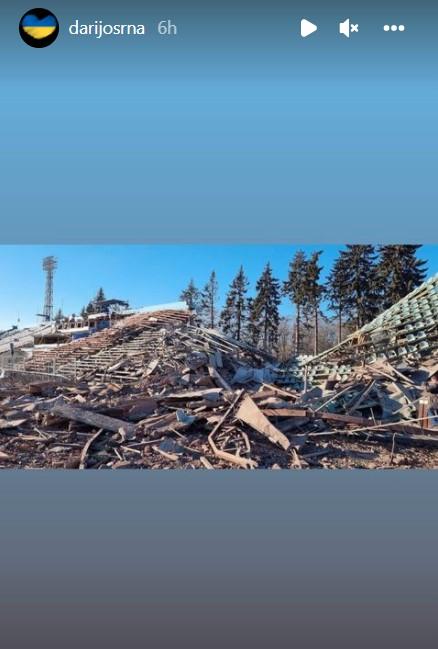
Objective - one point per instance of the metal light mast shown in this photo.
(49, 266)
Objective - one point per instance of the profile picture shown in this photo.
(39, 28)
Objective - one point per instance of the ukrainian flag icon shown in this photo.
(39, 27)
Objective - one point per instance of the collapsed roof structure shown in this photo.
(407, 330)
(406, 333)
(155, 390)
(20, 338)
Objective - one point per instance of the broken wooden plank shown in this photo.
(218, 378)
(83, 458)
(251, 414)
(152, 367)
(423, 412)
(368, 424)
(334, 396)
(226, 414)
(91, 418)
(211, 393)
(285, 412)
(357, 400)
(295, 462)
(206, 463)
(382, 434)
(279, 391)
(245, 463)
(6, 424)
(391, 368)
(169, 456)
(346, 419)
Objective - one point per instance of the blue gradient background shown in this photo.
(235, 130)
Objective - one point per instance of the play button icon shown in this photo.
(307, 28)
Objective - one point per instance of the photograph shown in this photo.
(219, 357)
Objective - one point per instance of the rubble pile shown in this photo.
(406, 332)
(105, 347)
(159, 392)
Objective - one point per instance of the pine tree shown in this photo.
(360, 261)
(295, 289)
(234, 315)
(191, 296)
(226, 320)
(209, 298)
(94, 304)
(100, 296)
(314, 292)
(338, 291)
(251, 328)
(399, 271)
(264, 314)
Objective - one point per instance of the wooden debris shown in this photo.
(242, 462)
(86, 448)
(169, 456)
(296, 462)
(250, 414)
(91, 418)
(206, 463)
(284, 412)
(160, 393)
(245, 463)
(6, 424)
(43, 389)
(142, 408)
(219, 379)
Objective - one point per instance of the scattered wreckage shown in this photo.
(159, 392)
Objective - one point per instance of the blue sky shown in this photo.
(143, 274)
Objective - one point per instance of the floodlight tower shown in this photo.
(49, 265)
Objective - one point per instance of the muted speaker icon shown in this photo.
(347, 27)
